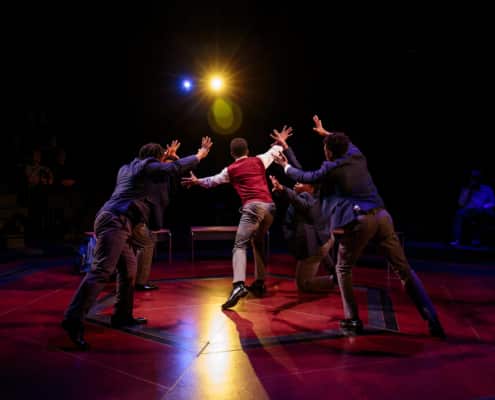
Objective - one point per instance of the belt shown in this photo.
(371, 211)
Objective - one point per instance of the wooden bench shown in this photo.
(161, 235)
(217, 233)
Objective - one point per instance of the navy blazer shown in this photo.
(133, 194)
(304, 227)
(351, 183)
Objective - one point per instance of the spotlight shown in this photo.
(186, 85)
(216, 83)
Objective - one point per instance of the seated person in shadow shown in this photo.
(476, 207)
(63, 173)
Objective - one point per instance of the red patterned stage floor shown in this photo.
(283, 346)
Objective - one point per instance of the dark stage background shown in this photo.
(411, 86)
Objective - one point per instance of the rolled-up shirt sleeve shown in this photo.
(215, 180)
(267, 158)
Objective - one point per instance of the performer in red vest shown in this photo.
(247, 176)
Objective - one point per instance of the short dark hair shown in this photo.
(337, 143)
(238, 147)
(151, 150)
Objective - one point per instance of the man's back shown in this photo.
(248, 177)
(130, 187)
(352, 181)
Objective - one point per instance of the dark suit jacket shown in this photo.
(291, 157)
(158, 197)
(135, 193)
(304, 227)
(352, 186)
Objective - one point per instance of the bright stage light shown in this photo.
(187, 85)
(216, 83)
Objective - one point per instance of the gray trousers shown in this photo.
(114, 250)
(147, 241)
(306, 270)
(256, 219)
(377, 225)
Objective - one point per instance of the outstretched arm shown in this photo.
(291, 158)
(208, 182)
(300, 202)
(281, 140)
(309, 176)
(268, 157)
(183, 165)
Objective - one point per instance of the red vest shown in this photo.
(248, 177)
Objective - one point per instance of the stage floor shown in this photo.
(283, 346)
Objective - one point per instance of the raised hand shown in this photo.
(276, 184)
(191, 181)
(319, 127)
(172, 149)
(281, 137)
(206, 144)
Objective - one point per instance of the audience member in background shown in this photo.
(476, 205)
(36, 173)
(63, 175)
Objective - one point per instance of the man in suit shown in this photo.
(308, 239)
(158, 190)
(115, 245)
(357, 208)
(305, 229)
(248, 177)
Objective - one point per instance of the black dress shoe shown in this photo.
(145, 287)
(76, 333)
(352, 325)
(238, 291)
(257, 288)
(118, 322)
